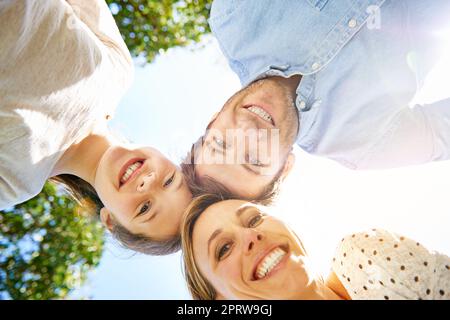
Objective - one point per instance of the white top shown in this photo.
(63, 67)
(379, 265)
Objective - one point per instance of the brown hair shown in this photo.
(207, 185)
(86, 197)
(198, 286)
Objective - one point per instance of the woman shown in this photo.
(233, 250)
(63, 69)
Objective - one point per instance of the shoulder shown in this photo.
(381, 246)
(381, 264)
(220, 8)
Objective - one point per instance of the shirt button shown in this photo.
(302, 105)
(315, 66)
(352, 23)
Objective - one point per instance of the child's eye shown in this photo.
(169, 181)
(145, 208)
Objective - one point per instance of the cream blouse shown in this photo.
(379, 265)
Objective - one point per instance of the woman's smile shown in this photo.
(270, 262)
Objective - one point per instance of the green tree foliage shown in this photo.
(152, 26)
(47, 247)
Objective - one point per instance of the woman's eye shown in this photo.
(145, 208)
(223, 250)
(169, 181)
(254, 221)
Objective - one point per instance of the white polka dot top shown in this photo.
(379, 265)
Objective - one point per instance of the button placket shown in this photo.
(304, 92)
(307, 115)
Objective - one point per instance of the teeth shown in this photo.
(269, 262)
(130, 171)
(261, 113)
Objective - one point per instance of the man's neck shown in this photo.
(292, 83)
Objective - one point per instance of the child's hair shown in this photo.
(85, 195)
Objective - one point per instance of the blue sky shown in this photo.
(168, 107)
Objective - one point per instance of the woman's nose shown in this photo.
(251, 239)
(146, 182)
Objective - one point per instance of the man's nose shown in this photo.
(244, 123)
(252, 238)
(146, 182)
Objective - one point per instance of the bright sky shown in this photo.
(168, 107)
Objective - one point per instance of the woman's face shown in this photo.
(142, 190)
(247, 254)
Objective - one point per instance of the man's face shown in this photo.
(249, 142)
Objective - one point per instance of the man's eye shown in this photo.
(169, 181)
(145, 208)
(255, 221)
(220, 142)
(223, 250)
(254, 161)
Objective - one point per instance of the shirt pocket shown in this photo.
(318, 4)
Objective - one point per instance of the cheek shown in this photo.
(230, 271)
(105, 191)
(292, 283)
(229, 276)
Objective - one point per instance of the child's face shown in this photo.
(142, 190)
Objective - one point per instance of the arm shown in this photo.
(417, 135)
(95, 14)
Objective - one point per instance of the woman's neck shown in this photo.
(81, 159)
(322, 291)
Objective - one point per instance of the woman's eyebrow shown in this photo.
(213, 236)
(238, 213)
(243, 209)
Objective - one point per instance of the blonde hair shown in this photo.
(198, 286)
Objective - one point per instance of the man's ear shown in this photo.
(106, 218)
(288, 165)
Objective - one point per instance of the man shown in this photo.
(341, 73)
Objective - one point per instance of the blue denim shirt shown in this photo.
(361, 61)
